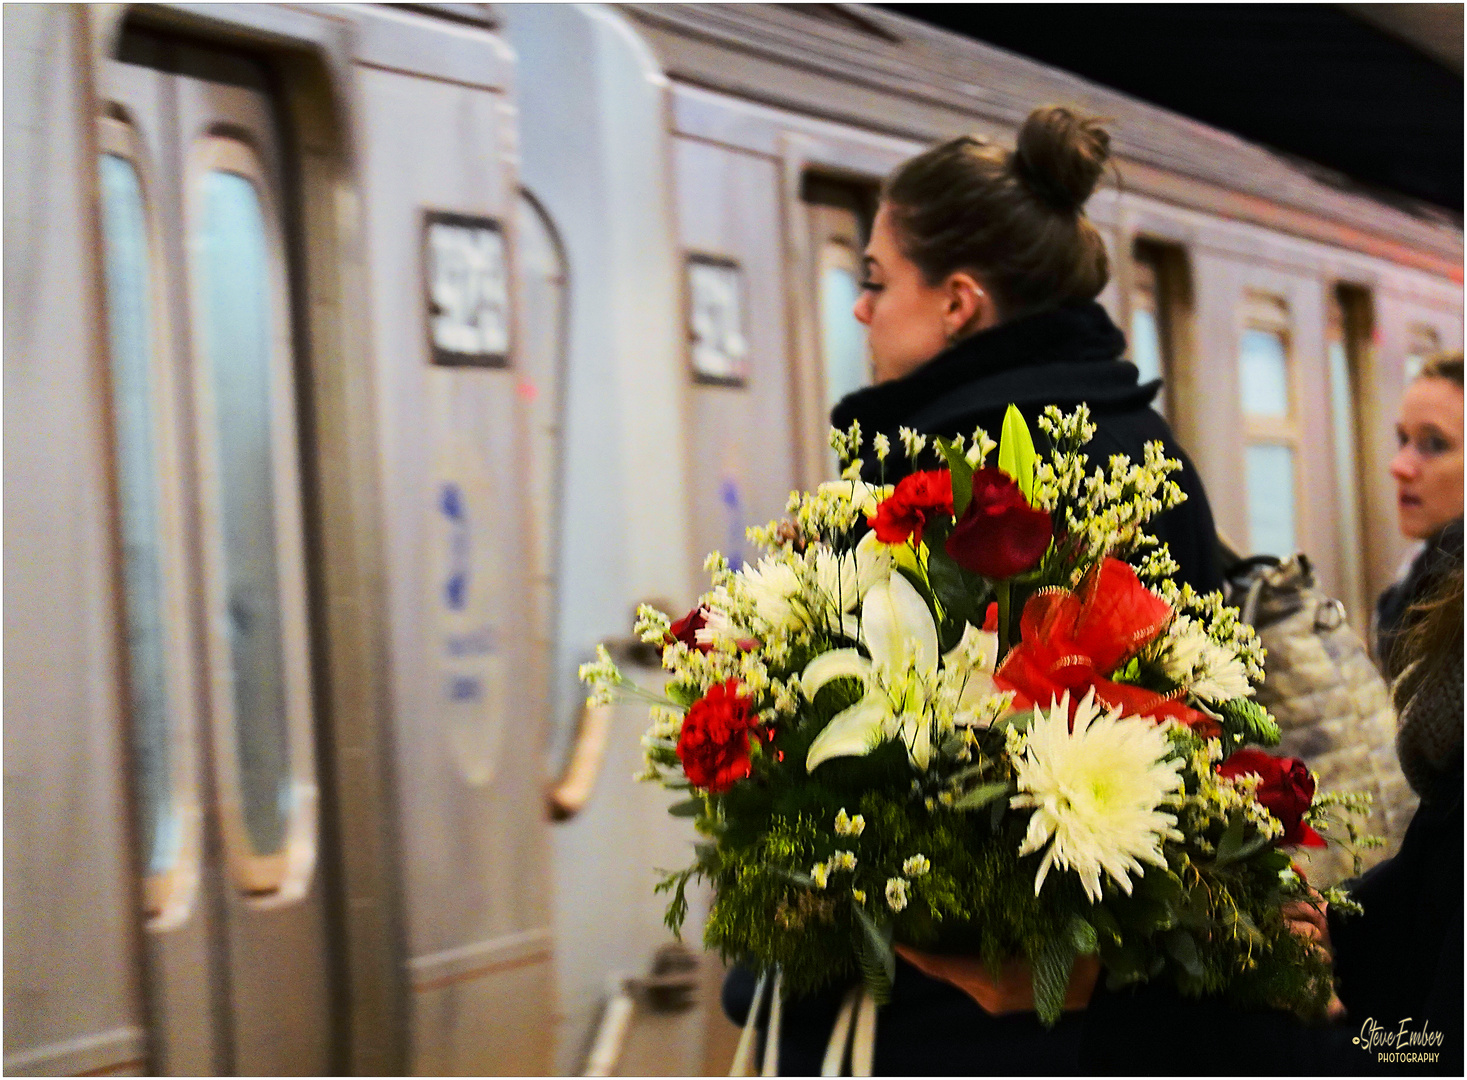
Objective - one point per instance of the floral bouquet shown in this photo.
(971, 713)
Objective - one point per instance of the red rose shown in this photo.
(1000, 534)
(916, 500)
(686, 630)
(1286, 790)
(714, 743)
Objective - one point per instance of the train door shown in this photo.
(204, 395)
(740, 432)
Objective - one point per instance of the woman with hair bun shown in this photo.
(981, 278)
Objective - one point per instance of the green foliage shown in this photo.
(1245, 721)
(1016, 451)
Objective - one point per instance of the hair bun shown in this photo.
(1060, 156)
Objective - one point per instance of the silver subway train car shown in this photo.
(366, 366)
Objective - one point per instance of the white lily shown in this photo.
(972, 661)
(898, 632)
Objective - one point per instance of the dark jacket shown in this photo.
(932, 1029)
(1439, 555)
(1063, 356)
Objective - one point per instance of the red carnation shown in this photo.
(1286, 790)
(714, 744)
(1000, 534)
(686, 630)
(917, 499)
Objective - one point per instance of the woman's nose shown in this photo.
(1403, 465)
(862, 309)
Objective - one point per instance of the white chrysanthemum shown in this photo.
(1223, 676)
(1209, 670)
(773, 584)
(1097, 793)
(897, 892)
(916, 866)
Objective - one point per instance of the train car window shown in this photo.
(1270, 470)
(130, 310)
(1271, 430)
(254, 556)
(1264, 374)
(1421, 342)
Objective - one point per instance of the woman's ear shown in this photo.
(969, 308)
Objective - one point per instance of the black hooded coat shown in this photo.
(1062, 356)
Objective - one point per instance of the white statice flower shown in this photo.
(912, 442)
(916, 866)
(881, 444)
(843, 860)
(897, 892)
(820, 874)
(980, 449)
(848, 825)
(1097, 793)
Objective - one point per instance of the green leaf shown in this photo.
(1232, 841)
(982, 795)
(1082, 936)
(1183, 948)
(1016, 451)
(878, 959)
(1052, 977)
(962, 474)
(946, 578)
(686, 808)
(1249, 722)
(1160, 885)
(1107, 929)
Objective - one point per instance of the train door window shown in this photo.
(254, 561)
(1348, 335)
(1160, 319)
(1148, 351)
(839, 215)
(1270, 427)
(140, 390)
(1421, 342)
(846, 363)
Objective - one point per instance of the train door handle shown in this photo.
(568, 795)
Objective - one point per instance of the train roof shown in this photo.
(878, 70)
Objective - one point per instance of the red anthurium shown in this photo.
(915, 501)
(1286, 789)
(1073, 641)
(1000, 534)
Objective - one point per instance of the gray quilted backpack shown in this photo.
(1333, 708)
